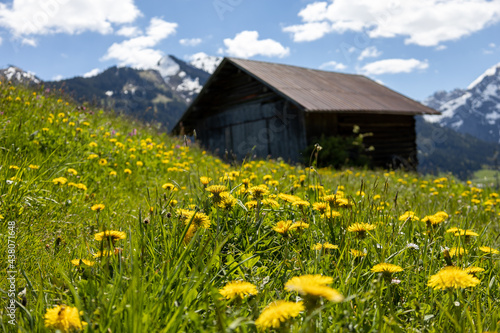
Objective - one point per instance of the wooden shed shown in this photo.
(276, 110)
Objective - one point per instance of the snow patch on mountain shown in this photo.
(205, 62)
(475, 111)
(13, 73)
(168, 67)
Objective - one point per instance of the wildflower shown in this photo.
(314, 286)
(13, 167)
(258, 191)
(139, 163)
(168, 186)
(216, 191)
(92, 156)
(452, 277)
(200, 220)
(112, 173)
(239, 289)
(320, 206)
(487, 249)
(93, 144)
(357, 253)
(59, 181)
(105, 253)
(205, 180)
(63, 318)
(97, 207)
(361, 228)
(110, 234)
(435, 219)
(103, 161)
(128, 171)
(301, 203)
(473, 270)
(466, 233)
(386, 269)
(87, 262)
(337, 200)
(457, 251)
(251, 204)
(72, 171)
(227, 201)
(33, 167)
(331, 214)
(409, 216)
(325, 246)
(299, 225)
(278, 312)
(283, 227)
(271, 203)
(288, 197)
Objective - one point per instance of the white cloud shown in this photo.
(29, 41)
(369, 52)
(33, 17)
(190, 42)
(393, 66)
(0, 40)
(246, 44)
(333, 64)
(92, 73)
(139, 51)
(57, 77)
(422, 22)
(492, 45)
(129, 31)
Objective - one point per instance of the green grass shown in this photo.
(486, 177)
(163, 277)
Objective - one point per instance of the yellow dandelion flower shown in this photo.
(361, 228)
(72, 171)
(452, 277)
(457, 251)
(110, 234)
(487, 249)
(93, 144)
(325, 246)
(331, 214)
(200, 220)
(453, 230)
(239, 289)
(33, 167)
(168, 186)
(216, 189)
(103, 161)
(139, 163)
(258, 191)
(473, 270)
(301, 203)
(105, 253)
(87, 262)
(251, 204)
(205, 180)
(92, 156)
(278, 312)
(97, 207)
(386, 268)
(409, 215)
(357, 253)
(112, 173)
(227, 201)
(299, 225)
(59, 181)
(13, 167)
(127, 171)
(314, 286)
(466, 233)
(271, 203)
(320, 206)
(63, 318)
(283, 227)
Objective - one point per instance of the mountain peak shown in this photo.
(205, 62)
(16, 74)
(492, 71)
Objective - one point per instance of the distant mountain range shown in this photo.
(464, 138)
(474, 111)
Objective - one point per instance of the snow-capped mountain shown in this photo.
(186, 79)
(475, 110)
(17, 75)
(205, 62)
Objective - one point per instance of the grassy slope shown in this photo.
(159, 282)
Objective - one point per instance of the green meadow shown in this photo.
(108, 225)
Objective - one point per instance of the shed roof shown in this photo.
(325, 91)
(319, 91)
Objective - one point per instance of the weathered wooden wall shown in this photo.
(242, 116)
(394, 137)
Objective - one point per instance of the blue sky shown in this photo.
(415, 47)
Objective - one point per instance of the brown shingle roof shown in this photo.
(323, 91)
